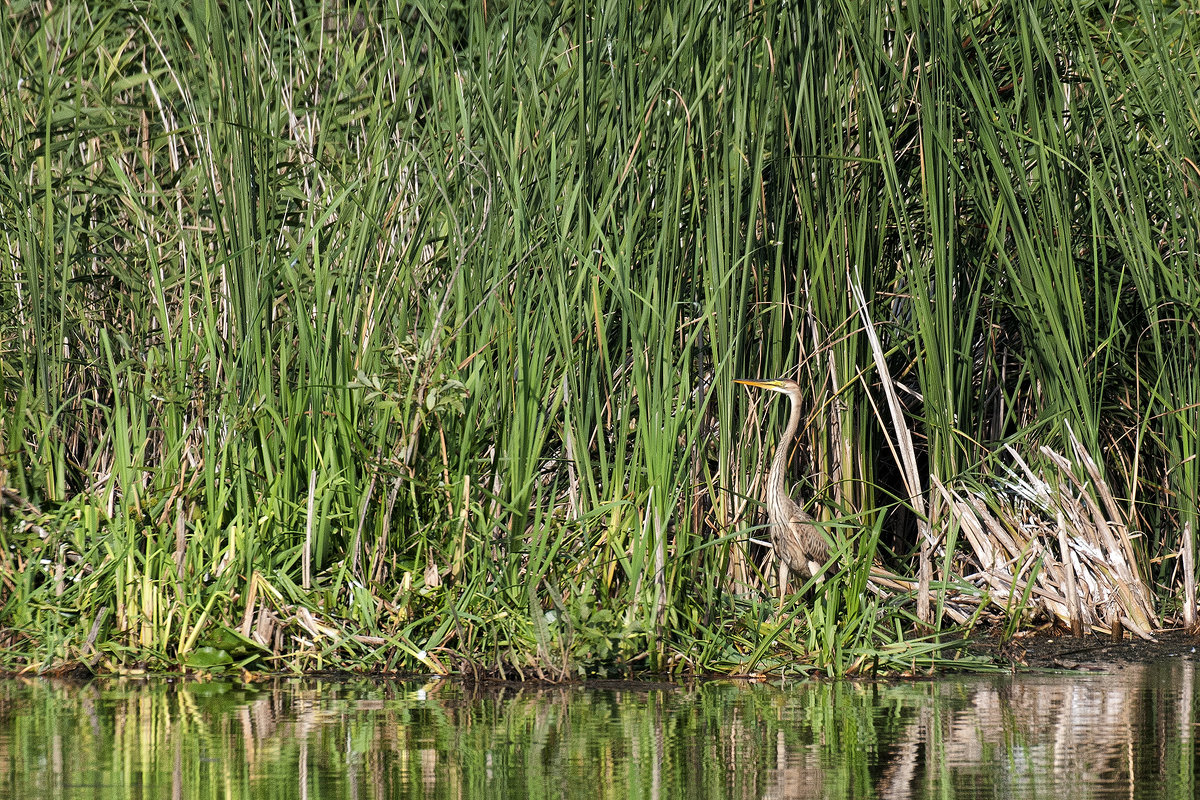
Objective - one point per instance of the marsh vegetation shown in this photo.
(401, 336)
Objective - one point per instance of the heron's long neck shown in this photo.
(777, 480)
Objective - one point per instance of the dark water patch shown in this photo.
(1127, 733)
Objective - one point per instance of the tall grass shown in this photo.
(401, 335)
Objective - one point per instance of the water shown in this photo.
(1128, 733)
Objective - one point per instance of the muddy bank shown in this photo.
(1050, 650)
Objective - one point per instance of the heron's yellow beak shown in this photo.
(775, 385)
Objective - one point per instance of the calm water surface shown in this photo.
(1128, 733)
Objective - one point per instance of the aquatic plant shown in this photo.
(395, 337)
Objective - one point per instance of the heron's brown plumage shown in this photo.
(795, 538)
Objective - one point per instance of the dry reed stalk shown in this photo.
(306, 560)
(1109, 537)
(992, 547)
(906, 459)
(882, 581)
(251, 601)
(180, 542)
(1072, 587)
(1092, 581)
(1189, 578)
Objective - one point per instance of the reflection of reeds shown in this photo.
(1075, 736)
(1067, 737)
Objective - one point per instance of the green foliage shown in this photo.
(382, 335)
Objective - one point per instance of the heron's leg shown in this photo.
(783, 580)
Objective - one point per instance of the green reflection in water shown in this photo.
(1130, 733)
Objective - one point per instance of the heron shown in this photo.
(799, 545)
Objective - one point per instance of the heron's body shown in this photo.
(796, 540)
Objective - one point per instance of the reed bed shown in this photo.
(400, 336)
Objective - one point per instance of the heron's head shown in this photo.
(790, 388)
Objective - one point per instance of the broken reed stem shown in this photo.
(180, 540)
(1189, 577)
(1095, 583)
(907, 459)
(251, 599)
(306, 566)
(1072, 593)
(1109, 536)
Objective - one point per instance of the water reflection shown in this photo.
(1129, 733)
